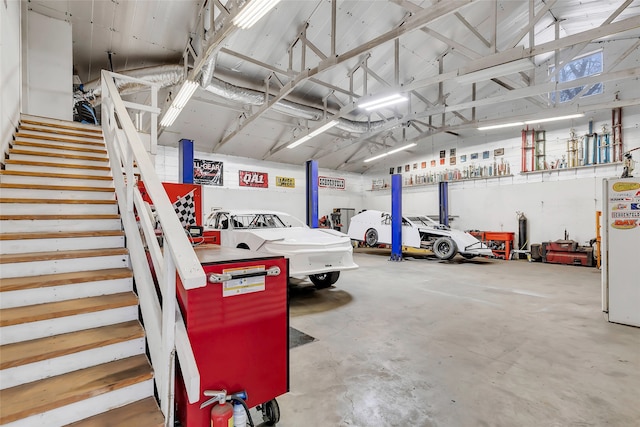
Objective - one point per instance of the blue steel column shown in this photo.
(312, 193)
(185, 153)
(396, 217)
(443, 188)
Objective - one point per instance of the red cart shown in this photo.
(238, 326)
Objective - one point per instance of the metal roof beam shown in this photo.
(511, 96)
(575, 50)
(532, 22)
(414, 23)
(473, 29)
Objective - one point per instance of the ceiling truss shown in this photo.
(308, 63)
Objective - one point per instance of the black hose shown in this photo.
(246, 408)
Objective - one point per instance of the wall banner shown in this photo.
(207, 172)
(335, 183)
(254, 179)
(283, 181)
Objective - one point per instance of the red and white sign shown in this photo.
(254, 179)
(327, 182)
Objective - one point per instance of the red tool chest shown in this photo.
(239, 329)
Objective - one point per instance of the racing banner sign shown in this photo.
(335, 183)
(207, 172)
(254, 179)
(283, 181)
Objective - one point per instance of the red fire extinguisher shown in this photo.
(222, 413)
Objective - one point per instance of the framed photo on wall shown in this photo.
(452, 160)
(452, 152)
(433, 163)
(443, 154)
(474, 156)
(485, 154)
(407, 168)
(498, 152)
(423, 165)
(390, 171)
(399, 169)
(442, 161)
(463, 158)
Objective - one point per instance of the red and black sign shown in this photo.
(335, 183)
(254, 179)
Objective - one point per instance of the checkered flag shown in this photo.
(186, 209)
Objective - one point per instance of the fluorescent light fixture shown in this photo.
(395, 150)
(497, 71)
(316, 132)
(184, 95)
(504, 125)
(553, 119)
(531, 122)
(396, 98)
(252, 12)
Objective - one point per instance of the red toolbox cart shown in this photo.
(238, 326)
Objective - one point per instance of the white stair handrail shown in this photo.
(176, 258)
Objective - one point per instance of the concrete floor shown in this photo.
(465, 343)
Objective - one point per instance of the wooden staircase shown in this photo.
(71, 348)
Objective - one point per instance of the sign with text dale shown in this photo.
(284, 181)
(254, 179)
(327, 182)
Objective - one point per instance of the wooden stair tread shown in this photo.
(50, 393)
(54, 255)
(60, 234)
(143, 413)
(25, 352)
(75, 217)
(58, 187)
(58, 147)
(61, 279)
(58, 201)
(54, 310)
(59, 131)
(62, 124)
(56, 165)
(95, 143)
(57, 155)
(56, 175)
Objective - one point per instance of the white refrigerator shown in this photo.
(621, 250)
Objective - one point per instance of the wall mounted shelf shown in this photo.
(453, 181)
(560, 170)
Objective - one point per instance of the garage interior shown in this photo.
(481, 105)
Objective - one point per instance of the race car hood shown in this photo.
(300, 236)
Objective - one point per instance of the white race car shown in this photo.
(418, 231)
(318, 253)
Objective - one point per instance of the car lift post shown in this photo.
(443, 188)
(185, 163)
(312, 193)
(396, 217)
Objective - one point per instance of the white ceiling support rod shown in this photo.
(333, 27)
(556, 58)
(633, 49)
(396, 62)
(310, 44)
(473, 29)
(494, 34)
